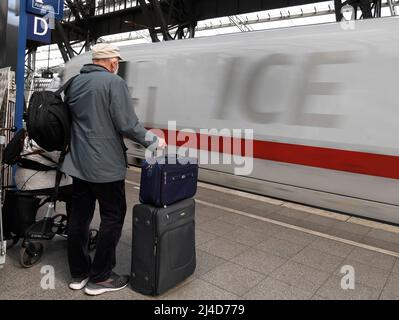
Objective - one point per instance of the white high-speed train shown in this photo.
(323, 103)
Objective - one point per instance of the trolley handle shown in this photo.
(12, 129)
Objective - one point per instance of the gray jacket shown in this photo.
(102, 113)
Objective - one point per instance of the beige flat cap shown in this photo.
(105, 51)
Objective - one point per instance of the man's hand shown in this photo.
(161, 143)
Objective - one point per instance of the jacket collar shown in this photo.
(90, 67)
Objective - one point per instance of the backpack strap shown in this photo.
(58, 176)
(66, 85)
(34, 165)
(47, 158)
(40, 153)
(59, 173)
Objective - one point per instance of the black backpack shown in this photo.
(48, 119)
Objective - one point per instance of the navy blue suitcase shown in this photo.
(168, 180)
(163, 246)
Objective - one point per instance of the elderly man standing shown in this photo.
(102, 114)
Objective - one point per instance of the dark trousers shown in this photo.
(112, 202)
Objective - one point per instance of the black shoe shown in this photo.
(114, 283)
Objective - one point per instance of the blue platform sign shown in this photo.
(52, 8)
(38, 29)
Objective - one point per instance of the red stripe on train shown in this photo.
(372, 164)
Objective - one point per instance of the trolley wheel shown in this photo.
(93, 235)
(31, 254)
(59, 224)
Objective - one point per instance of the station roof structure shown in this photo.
(89, 21)
(105, 17)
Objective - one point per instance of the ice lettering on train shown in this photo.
(307, 87)
(268, 99)
(227, 92)
(254, 86)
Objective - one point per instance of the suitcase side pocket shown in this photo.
(176, 256)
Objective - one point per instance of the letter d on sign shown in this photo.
(43, 26)
(38, 28)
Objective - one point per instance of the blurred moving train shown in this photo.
(323, 103)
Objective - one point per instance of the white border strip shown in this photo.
(242, 194)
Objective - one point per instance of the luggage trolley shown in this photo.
(18, 214)
(32, 231)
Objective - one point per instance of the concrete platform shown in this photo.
(248, 247)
